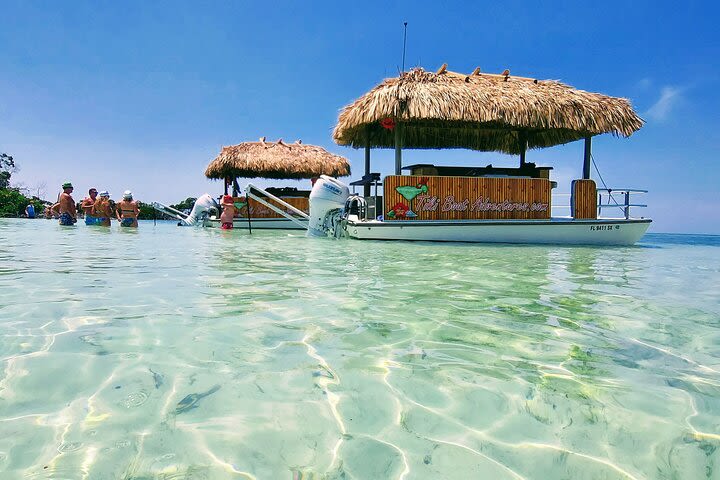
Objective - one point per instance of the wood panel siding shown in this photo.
(464, 198)
(583, 199)
(258, 210)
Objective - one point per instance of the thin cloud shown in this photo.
(644, 83)
(669, 98)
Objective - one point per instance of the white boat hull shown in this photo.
(259, 223)
(561, 231)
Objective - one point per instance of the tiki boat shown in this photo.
(483, 112)
(273, 208)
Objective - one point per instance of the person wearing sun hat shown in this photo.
(228, 212)
(65, 206)
(101, 209)
(127, 210)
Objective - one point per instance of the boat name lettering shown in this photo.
(450, 205)
(430, 203)
(599, 228)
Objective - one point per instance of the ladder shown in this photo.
(303, 216)
(171, 212)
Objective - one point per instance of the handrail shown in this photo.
(248, 191)
(625, 206)
(170, 212)
(250, 187)
(621, 190)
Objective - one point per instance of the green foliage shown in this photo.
(13, 203)
(147, 212)
(7, 166)
(186, 204)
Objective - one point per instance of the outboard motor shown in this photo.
(327, 200)
(202, 209)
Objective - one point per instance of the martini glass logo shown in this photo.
(408, 192)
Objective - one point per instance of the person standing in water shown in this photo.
(87, 205)
(30, 211)
(228, 213)
(65, 206)
(101, 209)
(127, 211)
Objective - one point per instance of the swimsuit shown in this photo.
(90, 220)
(67, 220)
(127, 222)
(226, 226)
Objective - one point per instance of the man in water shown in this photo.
(87, 205)
(66, 206)
(30, 211)
(127, 211)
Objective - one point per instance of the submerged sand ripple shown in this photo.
(201, 354)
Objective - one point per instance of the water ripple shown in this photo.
(342, 359)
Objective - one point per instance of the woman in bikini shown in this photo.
(101, 209)
(127, 211)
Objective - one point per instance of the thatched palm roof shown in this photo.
(277, 160)
(481, 112)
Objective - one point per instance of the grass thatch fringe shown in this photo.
(278, 160)
(481, 112)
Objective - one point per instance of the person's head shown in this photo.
(67, 187)
(105, 196)
(93, 193)
(127, 195)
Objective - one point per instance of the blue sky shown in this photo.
(142, 95)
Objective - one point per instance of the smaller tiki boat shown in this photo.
(273, 160)
(482, 112)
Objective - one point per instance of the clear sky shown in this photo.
(142, 95)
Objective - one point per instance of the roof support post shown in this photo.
(522, 140)
(398, 148)
(366, 187)
(587, 158)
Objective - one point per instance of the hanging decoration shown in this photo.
(387, 123)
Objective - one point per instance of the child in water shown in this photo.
(228, 213)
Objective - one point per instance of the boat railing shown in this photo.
(556, 205)
(251, 191)
(624, 206)
(607, 199)
(171, 212)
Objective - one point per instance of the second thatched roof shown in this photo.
(479, 111)
(277, 160)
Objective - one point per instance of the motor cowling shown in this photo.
(328, 196)
(203, 207)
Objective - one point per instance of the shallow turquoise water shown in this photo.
(181, 353)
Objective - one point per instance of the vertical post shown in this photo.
(226, 181)
(627, 205)
(522, 140)
(366, 187)
(587, 157)
(398, 148)
(247, 209)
